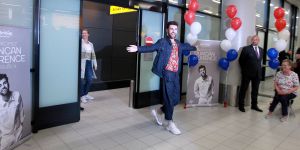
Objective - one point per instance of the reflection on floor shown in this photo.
(108, 123)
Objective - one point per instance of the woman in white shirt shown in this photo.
(88, 66)
(286, 84)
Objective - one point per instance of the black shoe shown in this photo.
(257, 109)
(242, 109)
(81, 108)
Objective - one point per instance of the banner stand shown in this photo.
(203, 78)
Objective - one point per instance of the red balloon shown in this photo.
(280, 24)
(279, 13)
(236, 23)
(189, 17)
(231, 11)
(194, 5)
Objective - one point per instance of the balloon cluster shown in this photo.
(230, 33)
(195, 29)
(280, 24)
(283, 36)
(272, 54)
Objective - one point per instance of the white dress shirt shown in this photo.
(203, 90)
(257, 50)
(11, 120)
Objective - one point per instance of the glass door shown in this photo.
(148, 84)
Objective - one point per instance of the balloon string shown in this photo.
(226, 85)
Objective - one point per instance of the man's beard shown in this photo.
(172, 36)
(204, 76)
(6, 93)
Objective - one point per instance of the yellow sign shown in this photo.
(120, 10)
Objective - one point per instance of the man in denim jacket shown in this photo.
(167, 65)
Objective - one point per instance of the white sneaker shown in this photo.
(88, 97)
(284, 119)
(157, 117)
(83, 99)
(268, 116)
(172, 128)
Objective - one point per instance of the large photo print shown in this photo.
(203, 78)
(15, 102)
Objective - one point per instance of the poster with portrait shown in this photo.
(15, 101)
(203, 78)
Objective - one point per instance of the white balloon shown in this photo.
(230, 34)
(191, 38)
(196, 28)
(225, 45)
(284, 34)
(280, 45)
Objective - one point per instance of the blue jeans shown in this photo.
(171, 93)
(88, 77)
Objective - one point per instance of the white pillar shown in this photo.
(247, 13)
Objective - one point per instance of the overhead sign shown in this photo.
(120, 10)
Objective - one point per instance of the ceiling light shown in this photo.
(173, 1)
(207, 11)
(216, 1)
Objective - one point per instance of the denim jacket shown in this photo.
(163, 47)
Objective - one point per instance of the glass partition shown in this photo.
(152, 26)
(297, 31)
(260, 13)
(287, 8)
(59, 49)
(174, 14)
(210, 27)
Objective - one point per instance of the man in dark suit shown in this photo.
(167, 65)
(250, 62)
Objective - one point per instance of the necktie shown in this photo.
(256, 51)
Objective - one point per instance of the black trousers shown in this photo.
(254, 91)
(171, 93)
(284, 100)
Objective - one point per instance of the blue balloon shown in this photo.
(186, 52)
(272, 53)
(223, 63)
(274, 63)
(193, 60)
(232, 54)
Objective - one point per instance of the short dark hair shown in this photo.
(172, 23)
(85, 29)
(3, 76)
(202, 66)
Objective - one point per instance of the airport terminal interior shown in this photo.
(41, 44)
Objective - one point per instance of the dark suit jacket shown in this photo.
(250, 64)
(163, 47)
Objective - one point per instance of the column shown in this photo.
(246, 12)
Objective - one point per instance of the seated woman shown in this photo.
(286, 83)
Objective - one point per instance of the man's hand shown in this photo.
(132, 48)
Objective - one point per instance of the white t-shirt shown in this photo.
(11, 120)
(88, 47)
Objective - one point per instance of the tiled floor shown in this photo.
(108, 123)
